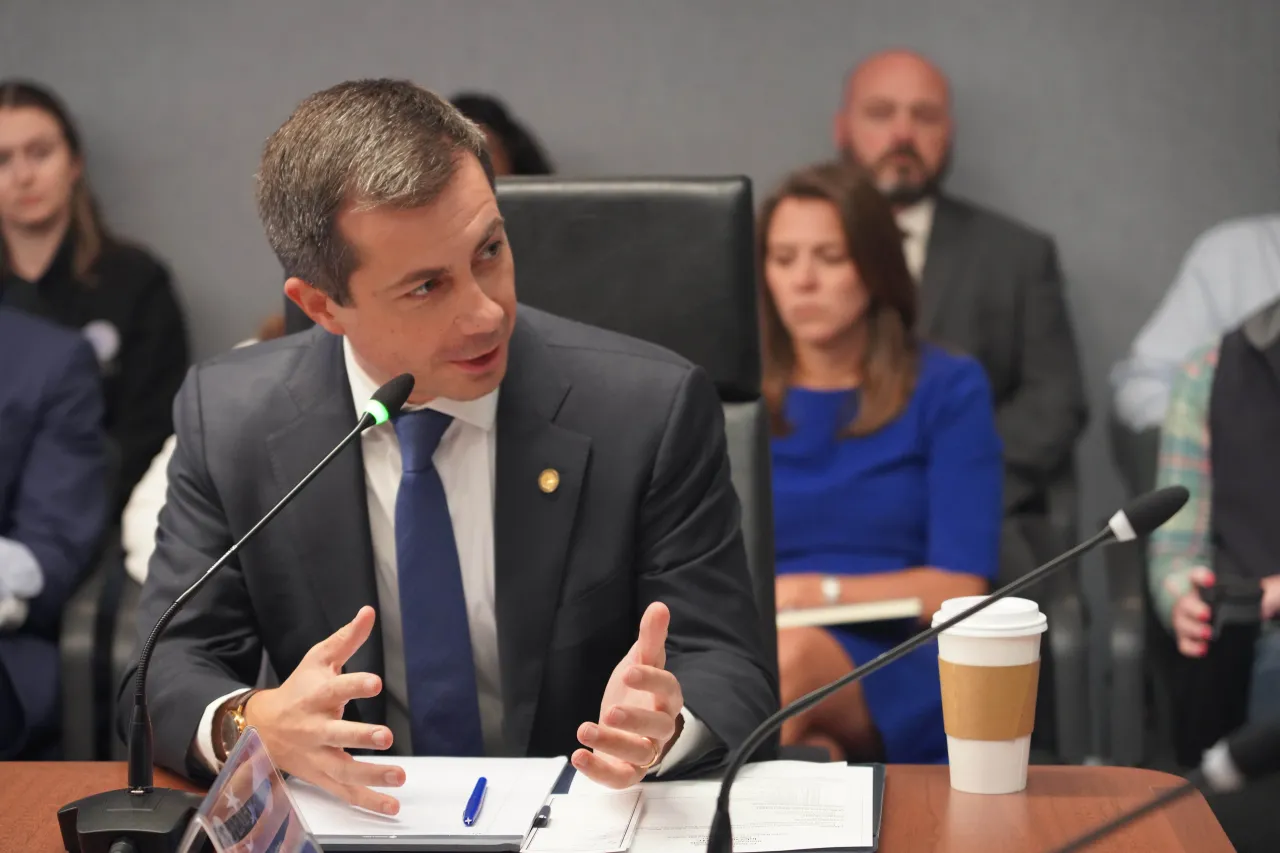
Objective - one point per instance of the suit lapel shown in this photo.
(533, 522)
(944, 265)
(329, 520)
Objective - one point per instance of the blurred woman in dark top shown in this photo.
(59, 262)
(513, 149)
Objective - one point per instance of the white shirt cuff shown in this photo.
(204, 734)
(694, 742)
(20, 573)
(13, 612)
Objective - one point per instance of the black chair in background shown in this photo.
(670, 262)
(1139, 693)
(1064, 730)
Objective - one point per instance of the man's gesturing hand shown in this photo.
(640, 712)
(302, 727)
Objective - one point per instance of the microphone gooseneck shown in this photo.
(1156, 803)
(1139, 518)
(1251, 753)
(140, 811)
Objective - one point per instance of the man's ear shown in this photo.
(839, 132)
(315, 303)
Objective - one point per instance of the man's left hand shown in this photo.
(640, 712)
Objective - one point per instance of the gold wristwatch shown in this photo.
(229, 723)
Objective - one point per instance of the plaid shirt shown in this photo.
(1182, 543)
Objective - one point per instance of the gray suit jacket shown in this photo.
(993, 288)
(645, 512)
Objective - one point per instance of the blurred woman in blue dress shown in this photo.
(886, 463)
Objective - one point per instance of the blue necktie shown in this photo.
(441, 678)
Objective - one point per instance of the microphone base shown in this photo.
(153, 820)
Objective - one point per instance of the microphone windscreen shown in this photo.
(390, 398)
(1147, 512)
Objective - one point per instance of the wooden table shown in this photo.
(921, 811)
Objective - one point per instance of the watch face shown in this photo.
(230, 732)
(831, 590)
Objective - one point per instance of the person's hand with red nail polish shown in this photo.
(300, 722)
(639, 714)
(1270, 597)
(1191, 617)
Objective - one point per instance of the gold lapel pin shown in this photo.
(549, 480)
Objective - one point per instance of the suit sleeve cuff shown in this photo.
(13, 612)
(204, 750)
(695, 741)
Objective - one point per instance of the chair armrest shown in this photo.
(1126, 585)
(80, 654)
(124, 646)
(75, 649)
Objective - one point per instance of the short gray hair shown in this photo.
(361, 144)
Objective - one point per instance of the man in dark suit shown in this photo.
(53, 508)
(548, 487)
(988, 285)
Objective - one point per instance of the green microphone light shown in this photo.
(388, 400)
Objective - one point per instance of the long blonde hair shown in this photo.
(86, 222)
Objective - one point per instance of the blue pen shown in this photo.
(472, 810)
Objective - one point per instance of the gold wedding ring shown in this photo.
(657, 753)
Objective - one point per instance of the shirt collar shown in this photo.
(917, 220)
(481, 412)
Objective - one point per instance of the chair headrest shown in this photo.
(670, 261)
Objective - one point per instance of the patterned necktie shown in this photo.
(440, 675)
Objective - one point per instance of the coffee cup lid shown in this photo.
(1008, 617)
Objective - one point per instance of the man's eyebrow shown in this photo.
(493, 228)
(436, 272)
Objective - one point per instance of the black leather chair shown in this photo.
(671, 262)
(86, 640)
(1139, 714)
(1067, 693)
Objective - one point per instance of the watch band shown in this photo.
(831, 589)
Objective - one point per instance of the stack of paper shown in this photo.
(432, 800)
(851, 614)
(601, 822)
(775, 806)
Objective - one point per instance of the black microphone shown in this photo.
(141, 817)
(1250, 754)
(1142, 515)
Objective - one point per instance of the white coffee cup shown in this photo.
(989, 666)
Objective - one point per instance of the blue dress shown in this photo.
(924, 490)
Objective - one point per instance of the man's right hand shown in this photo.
(1191, 617)
(301, 723)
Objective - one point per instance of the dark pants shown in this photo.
(1264, 685)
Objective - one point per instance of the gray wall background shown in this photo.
(1123, 128)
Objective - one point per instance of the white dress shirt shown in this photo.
(917, 222)
(465, 461)
(1230, 271)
